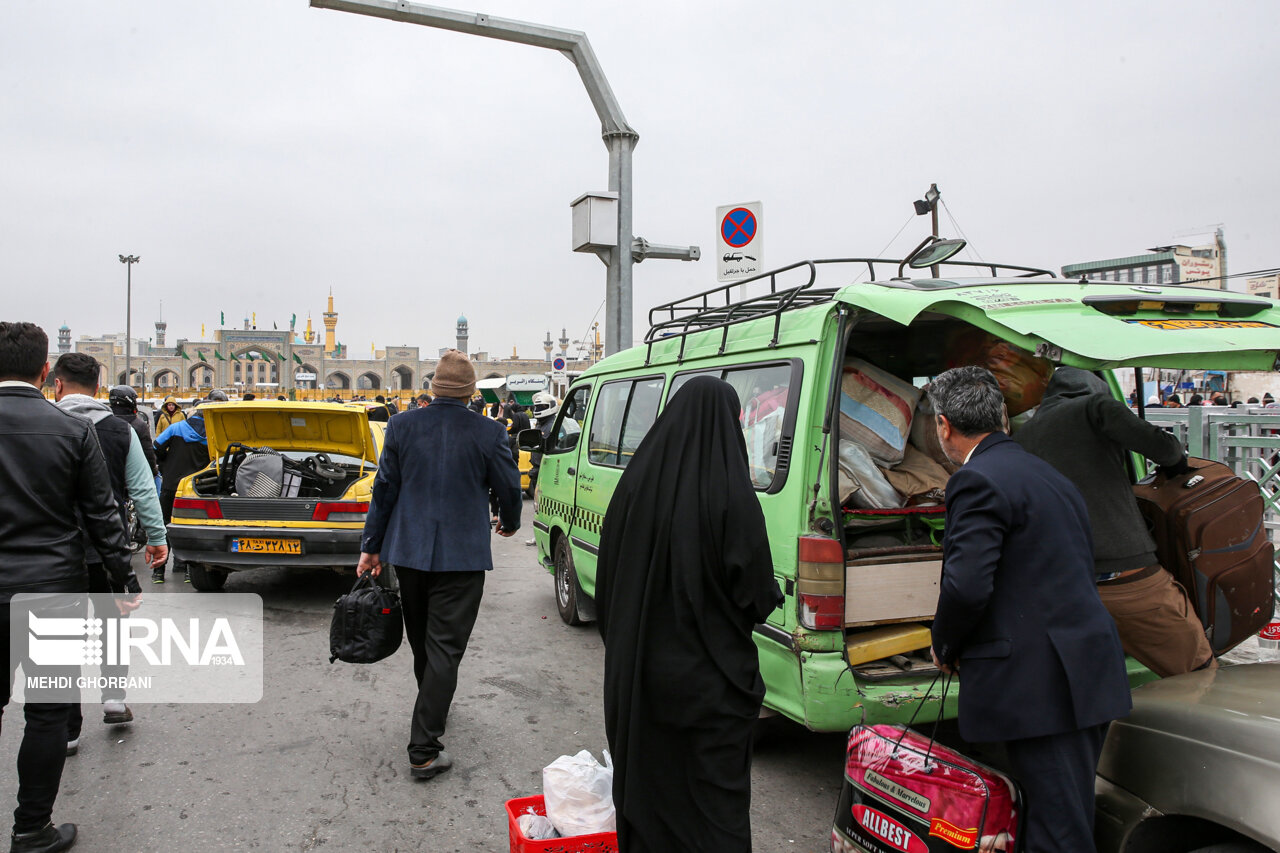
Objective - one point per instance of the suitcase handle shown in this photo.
(946, 685)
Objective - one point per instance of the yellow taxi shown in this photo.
(288, 484)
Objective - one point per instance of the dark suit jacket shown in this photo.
(430, 505)
(1018, 608)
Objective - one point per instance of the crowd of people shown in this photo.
(1174, 401)
(1043, 522)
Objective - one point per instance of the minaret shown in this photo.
(330, 327)
(548, 344)
(564, 342)
(64, 338)
(462, 333)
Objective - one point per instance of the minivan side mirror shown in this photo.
(530, 439)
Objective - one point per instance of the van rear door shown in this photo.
(1096, 325)
(891, 575)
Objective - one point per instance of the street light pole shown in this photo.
(128, 261)
(619, 137)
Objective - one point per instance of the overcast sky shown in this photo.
(257, 153)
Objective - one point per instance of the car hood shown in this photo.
(310, 427)
(1233, 707)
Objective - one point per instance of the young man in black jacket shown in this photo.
(52, 479)
(1084, 432)
(124, 405)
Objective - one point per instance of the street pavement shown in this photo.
(320, 762)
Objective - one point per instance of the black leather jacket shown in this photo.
(50, 468)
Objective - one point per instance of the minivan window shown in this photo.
(763, 392)
(568, 427)
(624, 412)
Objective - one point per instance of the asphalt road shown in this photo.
(320, 762)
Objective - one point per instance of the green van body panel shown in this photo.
(805, 672)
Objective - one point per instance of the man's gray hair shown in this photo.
(970, 398)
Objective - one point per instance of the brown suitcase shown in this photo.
(1207, 524)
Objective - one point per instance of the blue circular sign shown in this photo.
(738, 227)
(557, 363)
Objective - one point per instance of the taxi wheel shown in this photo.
(206, 579)
(568, 593)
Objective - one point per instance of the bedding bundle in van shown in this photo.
(890, 456)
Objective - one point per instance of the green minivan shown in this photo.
(829, 370)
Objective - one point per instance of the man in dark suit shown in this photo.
(1019, 617)
(428, 518)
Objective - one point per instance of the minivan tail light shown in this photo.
(341, 511)
(820, 583)
(196, 508)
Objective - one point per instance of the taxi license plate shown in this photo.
(266, 546)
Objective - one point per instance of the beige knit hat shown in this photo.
(455, 376)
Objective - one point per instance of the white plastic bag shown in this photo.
(578, 794)
(536, 827)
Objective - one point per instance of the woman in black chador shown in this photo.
(684, 573)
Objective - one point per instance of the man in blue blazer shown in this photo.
(429, 518)
(1019, 617)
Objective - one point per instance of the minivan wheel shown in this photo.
(206, 579)
(568, 593)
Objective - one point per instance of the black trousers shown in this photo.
(99, 581)
(1056, 773)
(439, 612)
(167, 497)
(44, 746)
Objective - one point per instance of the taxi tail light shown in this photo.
(341, 511)
(197, 508)
(820, 583)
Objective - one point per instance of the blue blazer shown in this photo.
(1038, 652)
(430, 505)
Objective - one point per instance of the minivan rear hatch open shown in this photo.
(1095, 325)
(893, 558)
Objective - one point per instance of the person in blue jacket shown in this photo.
(181, 450)
(429, 519)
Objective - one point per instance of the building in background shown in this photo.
(281, 361)
(1204, 265)
(1263, 285)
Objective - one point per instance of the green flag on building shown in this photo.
(200, 355)
(219, 356)
(182, 352)
(234, 358)
(296, 358)
(249, 356)
(222, 318)
(280, 355)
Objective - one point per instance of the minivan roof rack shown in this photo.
(715, 308)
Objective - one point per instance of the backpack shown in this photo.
(367, 623)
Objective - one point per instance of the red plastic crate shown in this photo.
(600, 842)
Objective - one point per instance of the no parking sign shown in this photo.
(739, 244)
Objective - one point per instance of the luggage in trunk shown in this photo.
(1209, 534)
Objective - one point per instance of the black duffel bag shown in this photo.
(367, 623)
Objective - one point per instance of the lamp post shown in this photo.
(128, 261)
(929, 204)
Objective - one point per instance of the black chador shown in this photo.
(684, 574)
